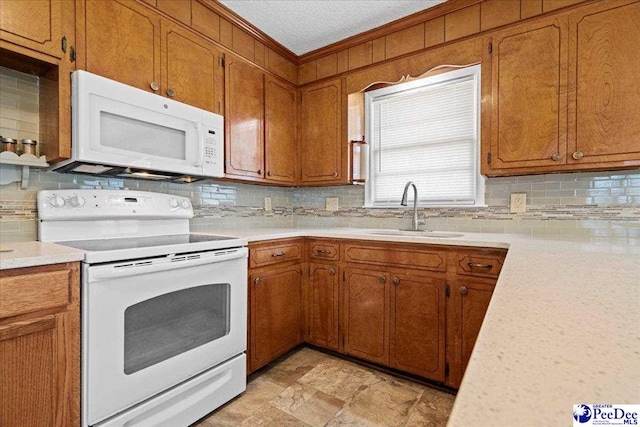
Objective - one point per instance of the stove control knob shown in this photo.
(173, 203)
(76, 201)
(185, 204)
(56, 202)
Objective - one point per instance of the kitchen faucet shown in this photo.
(414, 221)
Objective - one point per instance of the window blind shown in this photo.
(426, 134)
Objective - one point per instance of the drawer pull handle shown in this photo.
(382, 279)
(277, 254)
(476, 265)
(332, 271)
(463, 290)
(396, 281)
(323, 251)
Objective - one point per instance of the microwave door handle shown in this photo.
(200, 160)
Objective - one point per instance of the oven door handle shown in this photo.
(170, 262)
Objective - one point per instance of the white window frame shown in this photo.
(472, 72)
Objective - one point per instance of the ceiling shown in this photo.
(306, 25)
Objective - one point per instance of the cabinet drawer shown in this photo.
(324, 250)
(29, 292)
(479, 264)
(273, 253)
(396, 255)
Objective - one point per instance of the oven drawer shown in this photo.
(38, 289)
(269, 253)
(320, 249)
(480, 263)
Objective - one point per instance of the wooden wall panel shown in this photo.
(463, 22)
(495, 13)
(379, 49)
(529, 8)
(307, 72)
(243, 43)
(405, 41)
(343, 61)
(226, 33)
(177, 9)
(259, 53)
(278, 65)
(549, 5)
(327, 66)
(434, 32)
(205, 21)
(360, 55)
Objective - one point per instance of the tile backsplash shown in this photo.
(596, 205)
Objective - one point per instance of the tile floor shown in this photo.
(310, 388)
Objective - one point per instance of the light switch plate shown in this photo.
(267, 204)
(332, 204)
(518, 202)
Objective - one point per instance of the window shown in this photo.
(426, 131)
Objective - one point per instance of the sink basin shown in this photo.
(418, 233)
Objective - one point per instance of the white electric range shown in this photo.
(163, 311)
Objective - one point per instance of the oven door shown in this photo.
(150, 324)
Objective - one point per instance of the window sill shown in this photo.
(425, 206)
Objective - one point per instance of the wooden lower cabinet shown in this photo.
(40, 346)
(417, 325)
(324, 297)
(276, 313)
(467, 307)
(366, 314)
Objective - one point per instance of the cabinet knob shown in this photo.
(269, 173)
(396, 281)
(256, 281)
(382, 279)
(463, 290)
(259, 171)
(578, 155)
(154, 86)
(335, 174)
(332, 271)
(556, 157)
(171, 93)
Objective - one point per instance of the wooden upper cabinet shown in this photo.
(192, 69)
(604, 96)
(417, 325)
(323, 305)
(120, 40)
(280, 131)
(528, 120)
(323, 150)
(244, 111)
(366, 315)
(276, 313)
(34, 24)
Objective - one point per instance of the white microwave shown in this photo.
(119, 130)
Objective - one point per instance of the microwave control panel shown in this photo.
(213, 151)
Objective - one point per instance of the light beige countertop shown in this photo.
(563, 327)
(31, 254)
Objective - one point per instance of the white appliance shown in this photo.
(163, 311)
(124, 131)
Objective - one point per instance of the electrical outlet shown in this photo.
(331, 204)
(267, 204)
(518, 202)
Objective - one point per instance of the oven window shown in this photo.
(168, 325)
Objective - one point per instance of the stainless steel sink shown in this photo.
(417, 233)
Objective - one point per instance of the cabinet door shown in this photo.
(120, 40)
(191, 69)
(417, 326)
(322, 147)
(276, 313)
(366, 314)
(280, 130)
(34, 24)
(604, 97)
(323, 305)
(469, 302)
(244, 110)
(528, 120)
